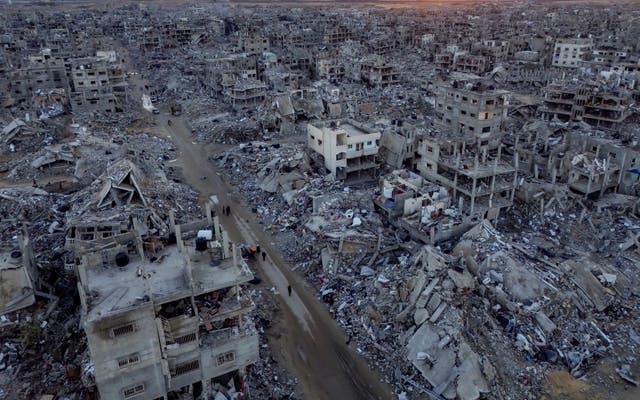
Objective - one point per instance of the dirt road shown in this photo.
(311, 344)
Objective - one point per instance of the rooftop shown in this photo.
(168, 276)
(350, 127)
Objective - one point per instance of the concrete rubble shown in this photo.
(458, 185)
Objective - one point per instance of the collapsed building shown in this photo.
(591, 166)
(42, 83)
(596, 105)
(467, 155)
(376, 72)
(19, 276)
(163, 303)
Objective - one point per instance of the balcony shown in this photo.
(362, 152)
(228, 349)
(225, 308)
(224, 336)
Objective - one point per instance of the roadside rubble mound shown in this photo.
(489, 315)
(266, 379)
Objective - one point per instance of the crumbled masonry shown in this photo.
(448, 192)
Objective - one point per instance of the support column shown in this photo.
(605, 178)
(207, 388)
(622, 169)
(234, 250)
(455, 184)
(179, 238)
(217, 229)
(589, 181)
(473, 195)
(515, 175)
(172, 221)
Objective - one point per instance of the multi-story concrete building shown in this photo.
(168, 34)
(336, 34)
(443, 61)
(398, 144)
(470, 108)
(253, 43)
(472, 63)
(246, 93)
(97, 85)
(569, 53)
(329, 68)
(590, 165)
(376, 72)
(610, 55)
(223, 73)
(493, 50)
(349, 149)
(42, 73)
(466, 156)
(475, 171)
(167, 320)
(593, 104)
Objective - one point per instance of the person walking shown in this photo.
(264, 256)
(228, 211)
(289, 290)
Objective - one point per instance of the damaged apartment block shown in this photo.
(98, 84)
(597, 105)
(167, 316)
(349, 149)
(467, 156)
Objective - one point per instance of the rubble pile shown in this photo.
(68, 178)
(267, 379)
(217, 129)
(459, 185)
(415, 312)
(43, 352)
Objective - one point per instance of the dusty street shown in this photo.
(309, 342)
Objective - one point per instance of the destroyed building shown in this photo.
(399, 144)
(569, 53)
(98, 85)
(19, 275)
(466, 113)
(252, 43)
(467, 157)
(472, 109)
(420, 208)
(599, 106)
(43, 76)
(591, 166)
(376, 72)
(476, 171)
(471, 63)
(246, 93)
